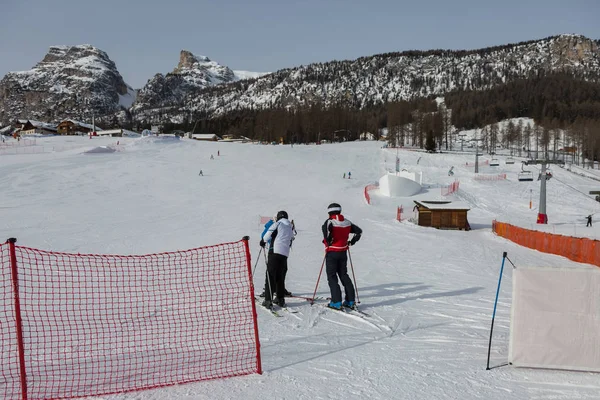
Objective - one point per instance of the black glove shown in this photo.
(262, 243)
(355, 239)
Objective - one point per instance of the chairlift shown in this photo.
(525, 175)
(494, 162)
(510, 160)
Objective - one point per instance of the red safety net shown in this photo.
(369, 188)
(451, 188)
(399, 212)
(483, 177)
(263, 219)
(9, 367)
(100, 324)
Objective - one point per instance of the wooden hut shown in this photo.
(442, 214)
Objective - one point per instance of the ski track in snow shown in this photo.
(429, 293)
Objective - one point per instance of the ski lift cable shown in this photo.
(587, 196)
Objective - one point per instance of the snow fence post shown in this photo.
(245, 239)
(18, 319)
(494, 314)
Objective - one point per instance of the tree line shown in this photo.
(560, 104)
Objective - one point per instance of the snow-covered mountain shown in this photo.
(406, 75)
(193, 73)
(69, 82)
(72, 81)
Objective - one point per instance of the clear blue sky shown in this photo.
(144, 37)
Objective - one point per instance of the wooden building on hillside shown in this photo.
(31, 127)
(72, 127)
(442, 214)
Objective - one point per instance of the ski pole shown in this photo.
(353, 276)
(269, 283)
(318, 279)
(494, 314)
(256, 264)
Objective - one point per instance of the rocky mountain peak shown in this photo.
(68, 81)
(575, 48)
(187, 60)
(200, 71)
(192, 74)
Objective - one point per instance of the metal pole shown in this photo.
(318, 279)
(257, 259)
(494, 314)
(530, 197)
(353, 276)
(18, 317)
(542, 217)
(476, 155)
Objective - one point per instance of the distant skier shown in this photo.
(349, 175)
(218, 152)
(344, 175)
(589, 220)
(336, 231)
(211, 157)
(281, 235)
(200, 174)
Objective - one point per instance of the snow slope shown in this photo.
(430, 292)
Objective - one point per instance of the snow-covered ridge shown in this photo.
(406, 75)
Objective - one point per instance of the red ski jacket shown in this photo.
(336, 231)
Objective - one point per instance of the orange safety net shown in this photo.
(582, 250)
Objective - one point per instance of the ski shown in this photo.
(271, 310)
(355, 309)
(309, 299)
(348, 312)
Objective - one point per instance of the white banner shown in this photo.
(555, 318)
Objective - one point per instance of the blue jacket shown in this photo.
(267, 226)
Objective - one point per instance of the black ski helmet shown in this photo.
(281, 214)
(334, 208)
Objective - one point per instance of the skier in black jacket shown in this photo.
(336, 231)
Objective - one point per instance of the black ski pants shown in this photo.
(275, 280)
(336, 265)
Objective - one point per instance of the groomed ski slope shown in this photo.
(430, 292)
